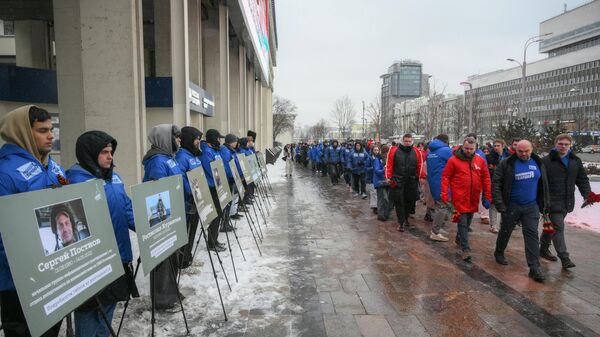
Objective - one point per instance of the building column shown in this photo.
(250, 98)
(235, 108)
(180, 63)
(100, 77)
(243, 91)
(32, 44)
(195, 53)
(216, 66)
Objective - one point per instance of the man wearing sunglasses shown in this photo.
(565, 170)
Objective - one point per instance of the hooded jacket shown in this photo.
(563, 179)
(467, 177)
(439, 153)
(226, 153)
(188, 137)
(332, 155)
(378, 173)
(360, 161)
(119, 206)
(209, 154)
(158, 161)
(21, 170)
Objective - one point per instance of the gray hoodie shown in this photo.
(162, 139)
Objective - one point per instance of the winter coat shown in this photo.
(227, 155)
(210, 154)
(467, 178)
(378, 173)
(21, 172)
(369, 169)
(562, 181)
(360, 162)
(186, 160)
(333, 155)
(416, 167)
(347, 162)
(119, 207)
(504, 176)
(439, 153)
(161, 166)
(311, 153)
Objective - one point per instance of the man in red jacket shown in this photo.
(403, 168)
(465, 177)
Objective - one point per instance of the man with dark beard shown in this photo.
(404, 163)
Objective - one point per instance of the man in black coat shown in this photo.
(520, 192)
(565, 170)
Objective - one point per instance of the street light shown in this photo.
(470, 104)
(523, 66)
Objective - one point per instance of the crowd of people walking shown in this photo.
(507, 186)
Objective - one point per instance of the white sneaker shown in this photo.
(438, 237)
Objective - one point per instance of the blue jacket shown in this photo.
(319, 154)
(245, 151)
(161, 166)
(209, 154)
(369, 169)
(311, 153)
(480, 153)
(378, 173)
(186, 160)
(333, 156)
(21, 172)
(227, 155)
(360, 162)
(438, 155)
(347, 155)
(119, 206)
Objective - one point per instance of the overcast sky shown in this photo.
(331, 48)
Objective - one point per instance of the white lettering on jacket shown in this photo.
(29, 170)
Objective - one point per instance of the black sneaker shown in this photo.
(500, 259)
(567, 263)
(466, 255)
(545, 253)
(236, 216)
(227, 228)
(536, 275)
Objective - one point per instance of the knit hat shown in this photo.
(231, 138)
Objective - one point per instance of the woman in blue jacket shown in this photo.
(94, 151)
(370, 177)
(360, 162)
(159, 162)
(381, 185)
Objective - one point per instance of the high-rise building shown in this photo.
(563, 87)
(403, 81)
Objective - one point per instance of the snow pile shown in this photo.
(588, 217)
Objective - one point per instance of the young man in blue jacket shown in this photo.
(332, 155)
(188, 158)
(94, 151)
(347, 164)
(227, 154)
(211, 151)
(438, 156)
(159, 162)
(360, 162)
(25, 165)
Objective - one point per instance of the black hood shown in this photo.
(252, 134)
(87, 149)
(188, 135)
(243, 142)
(212, 138)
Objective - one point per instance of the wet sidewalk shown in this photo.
(329, 268)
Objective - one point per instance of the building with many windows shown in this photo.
(563, 87)
(403, 81)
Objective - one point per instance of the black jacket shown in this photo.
(563, 180)
(504, 175)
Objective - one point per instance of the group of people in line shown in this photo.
(28, 134)
(507, 185)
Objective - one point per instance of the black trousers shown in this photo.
(403, 200)
(359, 183)
(13, 319)
(164, 282)
(383, 202)
(333, 173)
(213, 227)
(192, 227)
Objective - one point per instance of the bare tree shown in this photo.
(458, 113)
(283, 116)
(343, 115)
(319, 130)
(374, 114)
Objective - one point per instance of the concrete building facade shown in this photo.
(125, 66)
(402, 81)
(564, 87)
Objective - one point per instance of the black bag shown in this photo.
(121, 289)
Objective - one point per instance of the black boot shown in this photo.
(567, 263)
(545, 253)
(536, 275)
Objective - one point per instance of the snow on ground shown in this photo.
(589, 217)
(262, 287)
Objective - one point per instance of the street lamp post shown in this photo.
(470, 104)
(523, 66)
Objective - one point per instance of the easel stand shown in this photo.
(137, 267)
(153, 292)
(223, 225)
